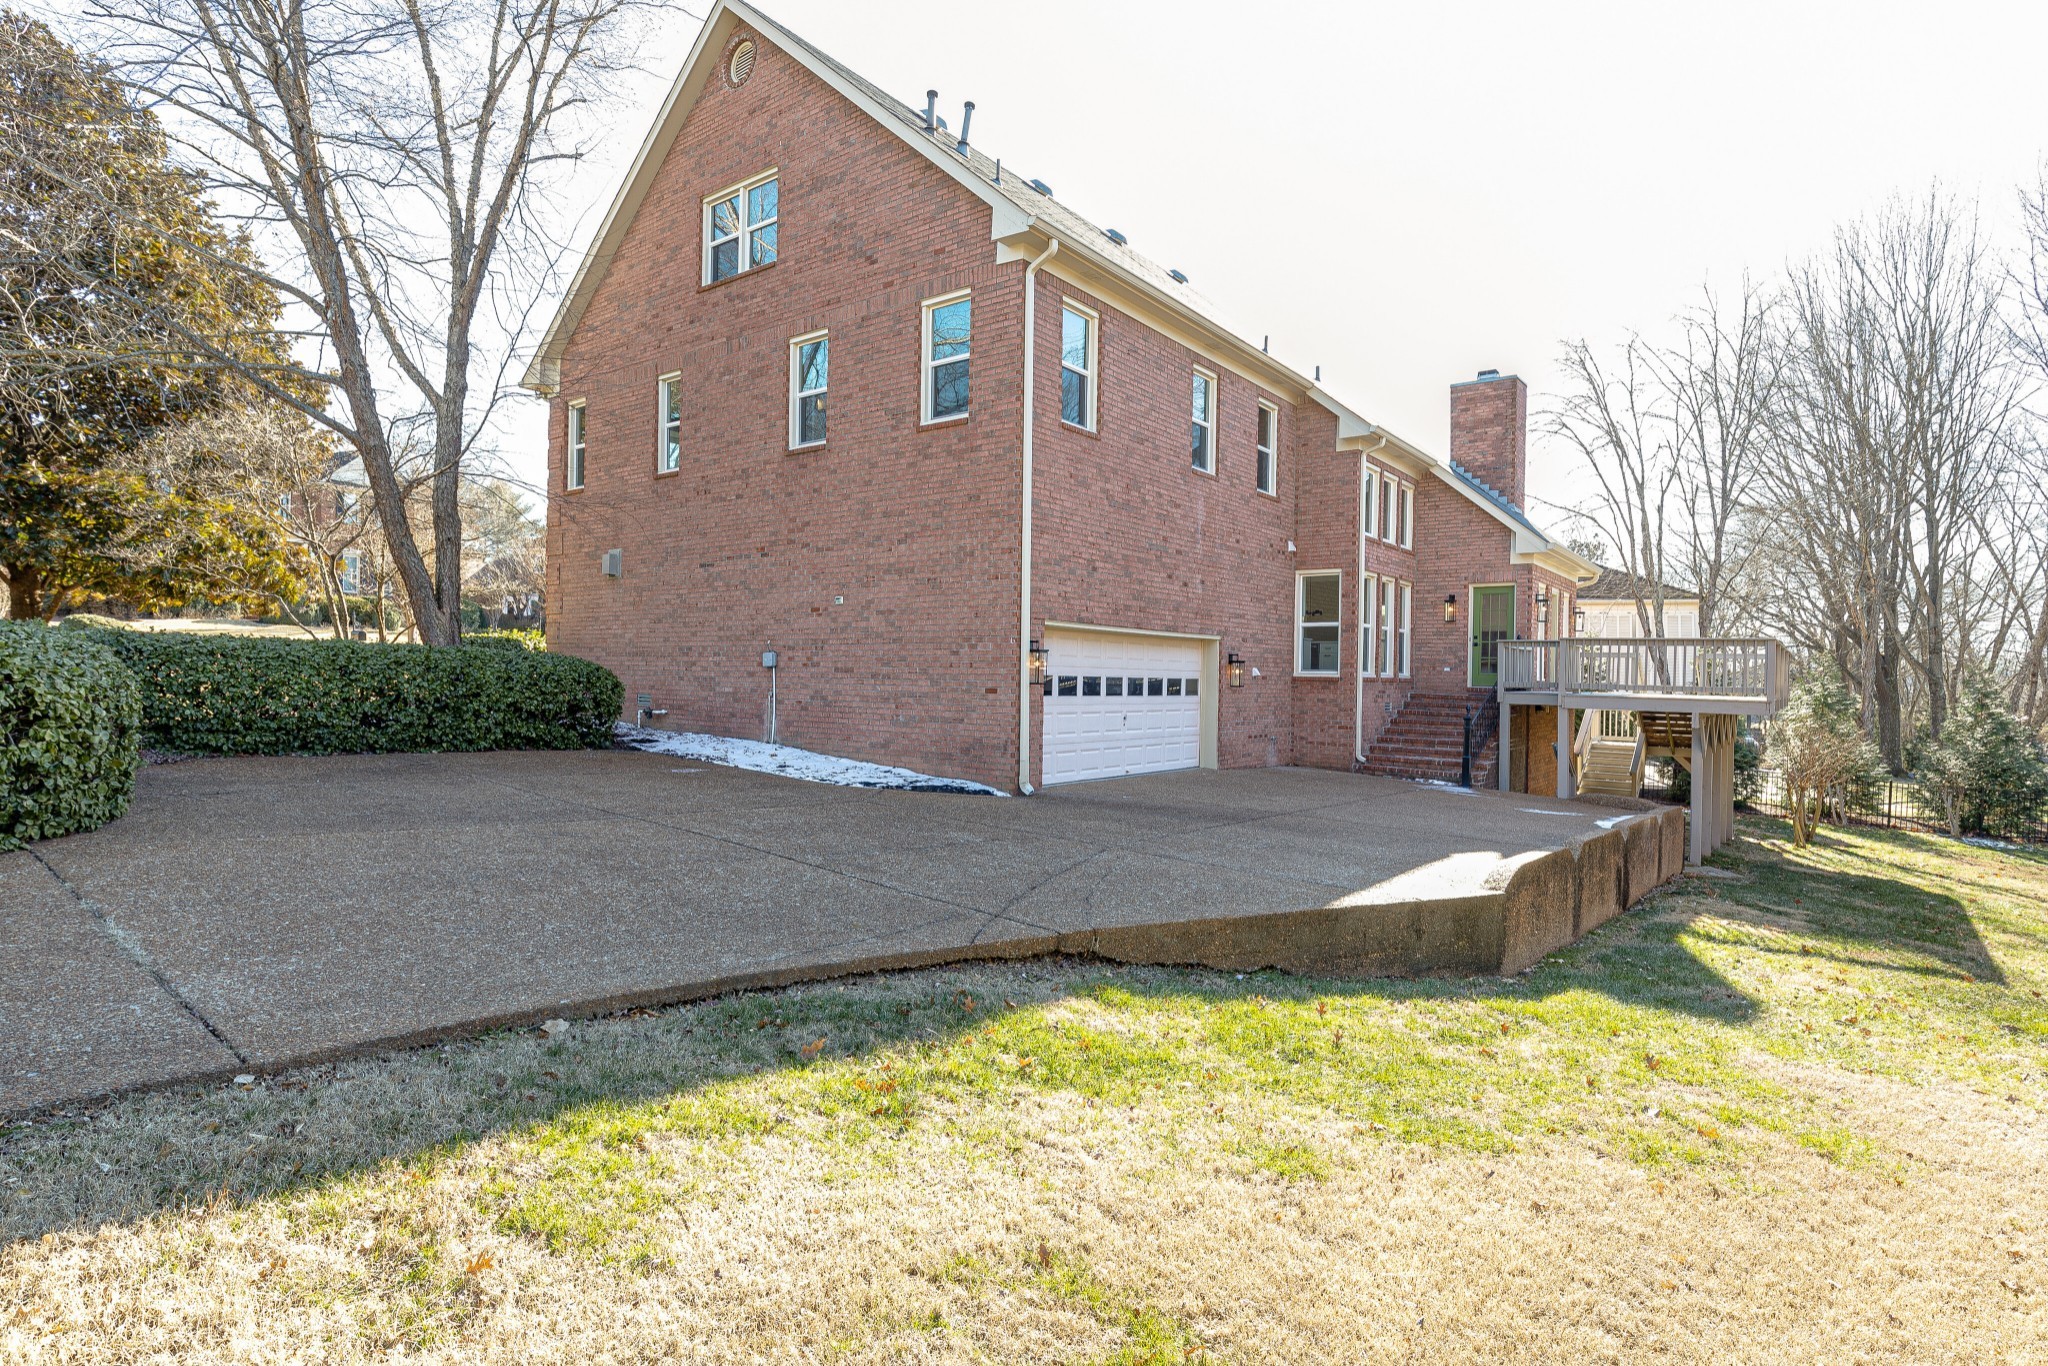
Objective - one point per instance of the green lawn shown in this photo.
(1799, 1105)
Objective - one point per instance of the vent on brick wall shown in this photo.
(742, 64)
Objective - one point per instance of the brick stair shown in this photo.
(1425, 738)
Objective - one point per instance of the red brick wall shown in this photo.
(1457, 544)
(749, 546)
(1490, 433)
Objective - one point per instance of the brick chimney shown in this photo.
(1490, 431)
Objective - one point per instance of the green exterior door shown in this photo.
(1493, 620)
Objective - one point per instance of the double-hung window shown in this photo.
(740, 226)
(1204, 435)
(1369, 502)
(1368, 630)
(572, 467)
(1390, 597)
(351, 572)
(1318, 623)
(1405, 527)
(1407, 610)
(668, 407)
(810, 360)
(1269, 449)
(1077, 367)
(948, 338)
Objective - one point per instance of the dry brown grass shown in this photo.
(1106, 1170)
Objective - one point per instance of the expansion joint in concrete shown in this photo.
(138, 955)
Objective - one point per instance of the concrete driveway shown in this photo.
(250, 914)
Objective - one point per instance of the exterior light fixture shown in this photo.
(1450, 607)
(1036, 656)
(1578, 621)
(1234, 669)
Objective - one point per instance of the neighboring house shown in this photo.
(788, 424)
(1610, 607)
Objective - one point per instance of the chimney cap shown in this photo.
(1489, 374)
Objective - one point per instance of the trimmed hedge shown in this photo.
(253, 695)
(514, 639)
(69, 717)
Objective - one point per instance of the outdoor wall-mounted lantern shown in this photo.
(1036, 656)
(1542, 611)
(1578, 621)
(1234, 669)
(1450, 607)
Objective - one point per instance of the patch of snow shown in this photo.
(1610, 822)
(1440, 785)
(1539, 811)
(1983, 842)
(790, 762)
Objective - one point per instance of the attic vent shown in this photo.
(1116, 236)
(741, 64)
(1178, 276)
(1042, 188)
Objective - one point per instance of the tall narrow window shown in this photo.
(351, 571)
(1318, 625)
(1369, 502)
(1368, 629)
(948, 333)
(1204, 439)
(1269, 448)
(668, 406)
(810, 362)
(572, 468)
(1077, 367)
(1389, 601)
(1407, 613)
(1407, 517)
(740, 228)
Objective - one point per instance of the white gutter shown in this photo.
(1024, 575)
(1358, 686)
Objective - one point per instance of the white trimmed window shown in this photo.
(668, 408)
(1389, 602)
(1318, 621)
(572, 467)
(1077, 366)
(1369, 497)
(1203, 441)
(1368, 631)
(1269, 449)
(948, 343)
(1407, 522)
(351, 572)
(740, 227)
(810, 365)
(1407, 611)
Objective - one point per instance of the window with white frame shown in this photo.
(1389, 600)
(1077, 367)
(1407, 613)
(1269, 449)
(1318, 622)
(668, 407)
(810, 364)
(1368, 630)
(1407, 522)
(740, 227)
(1369, 500)
(1204, 435)
(948, 339)
(351, 572)
(572, 467)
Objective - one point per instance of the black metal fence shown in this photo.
(1892, 804)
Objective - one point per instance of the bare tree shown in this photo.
(390, 151)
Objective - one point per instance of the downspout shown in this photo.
(1024, 574)
(1358, 682)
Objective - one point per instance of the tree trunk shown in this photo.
(24, 592)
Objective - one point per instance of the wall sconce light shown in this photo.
(1036, 656)
(1450, 607)
(1578, 621)
(1234, 670)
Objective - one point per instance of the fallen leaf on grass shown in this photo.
(813, 1048)
(477, 1265)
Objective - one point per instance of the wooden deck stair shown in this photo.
(1612, 768)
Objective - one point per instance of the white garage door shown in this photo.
(1121, 704)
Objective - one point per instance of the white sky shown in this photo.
(1406, 194)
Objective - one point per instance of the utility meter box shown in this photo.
(767, 659)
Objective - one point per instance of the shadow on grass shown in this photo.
(325, 1127)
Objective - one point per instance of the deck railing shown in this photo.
(1758, 669)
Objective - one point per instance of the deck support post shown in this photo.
(1566, 788)
(1702, 797)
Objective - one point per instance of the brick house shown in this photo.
(788, 421)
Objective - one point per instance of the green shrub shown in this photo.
(68, 724)
(513, 639)
(251, 695)
(92, 621)
(1986, 775)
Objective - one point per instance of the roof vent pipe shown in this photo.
(966, 116)
(931, 110)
